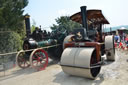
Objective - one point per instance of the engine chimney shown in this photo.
(84, 19)
(27, 24)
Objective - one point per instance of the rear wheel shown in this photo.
(109, 47)
(21, 59)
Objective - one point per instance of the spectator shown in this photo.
(118, 41)
(116, 38)
(124, 36)
(126, 41)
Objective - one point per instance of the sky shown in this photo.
(44, 12)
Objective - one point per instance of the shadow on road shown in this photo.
(16, 72)
(64, 79)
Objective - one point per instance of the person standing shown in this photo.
(116, 38)
(126, 41)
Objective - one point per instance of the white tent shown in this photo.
(123, 28)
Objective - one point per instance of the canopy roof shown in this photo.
(93, 16)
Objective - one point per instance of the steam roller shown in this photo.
(84, 48)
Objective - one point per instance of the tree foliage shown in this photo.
(9, 42)
(11, 14)
(12, 28)
(64, 22)
(33, 25)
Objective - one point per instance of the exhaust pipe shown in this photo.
(27, 24)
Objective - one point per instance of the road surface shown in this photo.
(113, 73)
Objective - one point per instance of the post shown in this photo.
(110, 31)
(100, 32)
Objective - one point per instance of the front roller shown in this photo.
(39, 59)
(80, 62)
(110, 48)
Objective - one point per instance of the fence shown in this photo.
(8, 60)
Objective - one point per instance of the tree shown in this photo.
(12, 28)
(33, 25)
(9, 42)
(11, 14)
(64, 22)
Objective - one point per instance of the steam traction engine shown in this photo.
(84, 48)
(36, 46)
